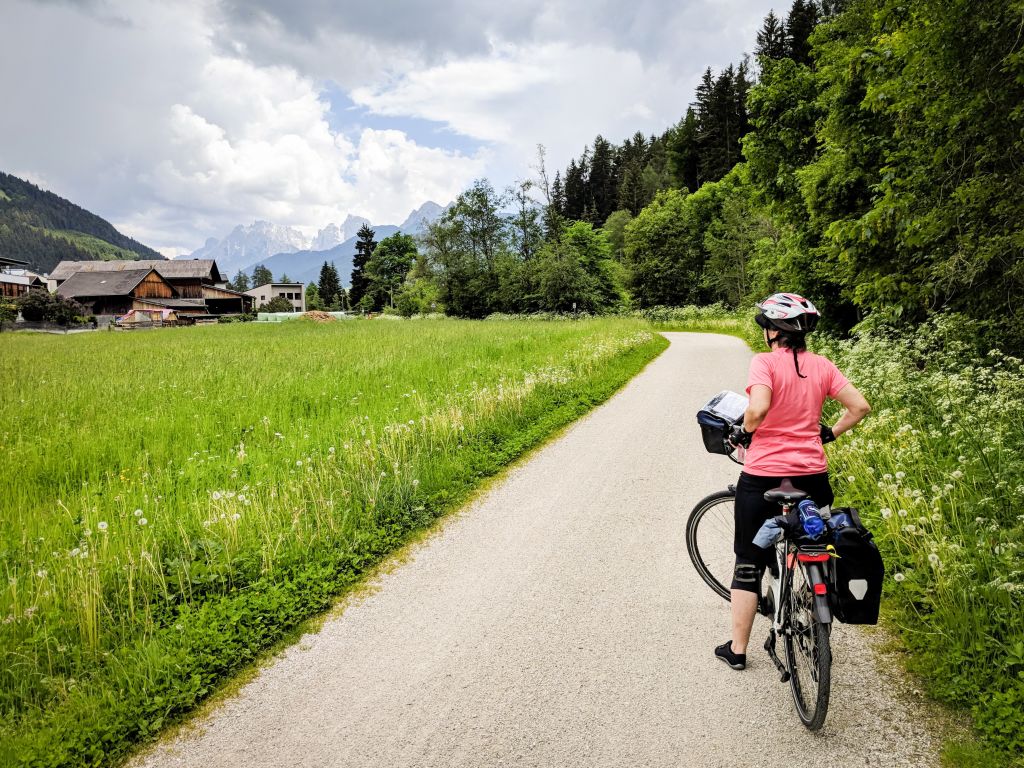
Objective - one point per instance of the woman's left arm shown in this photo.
(757, 408)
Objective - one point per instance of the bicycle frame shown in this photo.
(813, 561)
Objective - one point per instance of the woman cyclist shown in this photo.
(787, 387)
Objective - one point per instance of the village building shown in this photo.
(293, 292)
(117, 293)
(199, 289)
(15, 281)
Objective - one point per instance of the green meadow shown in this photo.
(176, 501)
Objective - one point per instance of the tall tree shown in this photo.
(386, 271)
(261, 276)
(365, 245)
(771, 39)
(329, 285)
(240, 283)
(802, 19)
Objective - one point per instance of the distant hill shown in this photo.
(43, 229)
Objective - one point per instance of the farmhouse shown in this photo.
(198, 288)
(16, 282)
(293, 292)
(116, 293)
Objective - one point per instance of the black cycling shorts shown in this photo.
(752, 510)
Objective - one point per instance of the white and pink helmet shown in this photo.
(787, 312)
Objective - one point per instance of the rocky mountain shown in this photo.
(43, 229)
(427, 213)
(247, 245)
(333, 235)
(304, 265)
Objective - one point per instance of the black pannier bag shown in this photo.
(717, 418)
(857, 570)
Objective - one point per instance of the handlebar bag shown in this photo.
(858, 570)
(717, 418)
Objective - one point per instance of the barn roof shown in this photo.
(171, 269)
(102, 283)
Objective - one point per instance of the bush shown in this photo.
(277, 304)
(40, 306)
(938, 472)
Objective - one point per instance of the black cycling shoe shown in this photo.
(734, 660)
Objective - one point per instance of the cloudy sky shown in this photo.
(177, 119)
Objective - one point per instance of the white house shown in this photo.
(293, 292)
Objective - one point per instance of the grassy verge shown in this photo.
(182, 500)
(937, 473)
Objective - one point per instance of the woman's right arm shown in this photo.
(857, 408)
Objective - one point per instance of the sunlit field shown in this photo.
(175, 500)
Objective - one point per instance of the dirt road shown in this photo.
(558, 622)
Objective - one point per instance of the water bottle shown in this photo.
(810, 518)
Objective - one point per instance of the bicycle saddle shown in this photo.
(785, 494)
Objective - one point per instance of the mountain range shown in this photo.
(285, 251)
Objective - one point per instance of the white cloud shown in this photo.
(177, 121)
(547, 93)
(174, 141)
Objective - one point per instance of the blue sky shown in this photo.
(179, 119)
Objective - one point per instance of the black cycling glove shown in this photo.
(740, 436)
(827, 435)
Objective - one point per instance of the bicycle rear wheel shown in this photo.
(808, 654)
(709, 540)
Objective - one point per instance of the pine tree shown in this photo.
(771, 39)
(261, 276)
(240, 283)
(803, 17)
(365, 245)
(683, 152)
(329, 285)
(601, 181)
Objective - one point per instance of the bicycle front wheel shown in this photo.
(808, 655)
(709, 540)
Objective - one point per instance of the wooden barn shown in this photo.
(116, 293)
(198, 286)
(188, 276)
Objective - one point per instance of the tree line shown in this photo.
(868, 155)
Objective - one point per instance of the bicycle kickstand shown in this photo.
(769, 645)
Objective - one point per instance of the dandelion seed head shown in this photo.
(933, 558)
(142, 521)
(898, 577)
(137, 513)
(102, 525)
(886, 513)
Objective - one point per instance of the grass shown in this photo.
(177, 502)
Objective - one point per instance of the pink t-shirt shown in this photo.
(788, 442)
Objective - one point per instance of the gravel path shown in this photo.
(558, 622)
